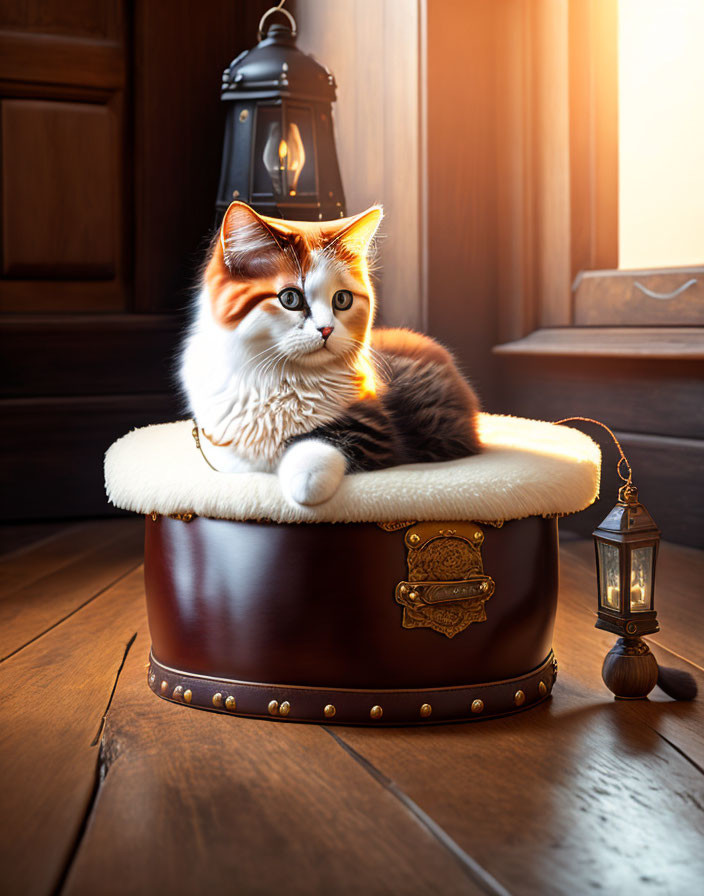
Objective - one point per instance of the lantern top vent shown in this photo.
(628, 515)
(276, 67)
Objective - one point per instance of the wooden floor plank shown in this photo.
(196, 802)
(33, 609)
(53, 696)
(69, 542)
(583, 793)
(16, 537)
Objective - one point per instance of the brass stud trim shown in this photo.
(414, 538)
(217, 699)
(231, 703)
(273, 707)
(188, 695)
(329, 711)
(152, 678)
(285, 708)
(178, 692)
(542, 689)
(519, 698)
(164, 687)
(477, 705)
(425, 710)
(376, 712)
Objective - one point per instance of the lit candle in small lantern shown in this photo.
(626, 548)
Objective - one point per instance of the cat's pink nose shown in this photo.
(325, 331)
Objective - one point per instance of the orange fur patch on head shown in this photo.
(256, 256)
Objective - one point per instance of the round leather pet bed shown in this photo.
(418, 594)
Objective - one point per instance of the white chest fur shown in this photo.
(248, 413)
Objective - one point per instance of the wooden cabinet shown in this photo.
(110, 138)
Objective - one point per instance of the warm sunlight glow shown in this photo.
(363, 364)
(661, 133)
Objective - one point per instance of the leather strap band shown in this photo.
(294, 703)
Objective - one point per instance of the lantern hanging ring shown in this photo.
(270, 12)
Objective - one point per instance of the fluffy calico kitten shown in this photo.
(282, 369)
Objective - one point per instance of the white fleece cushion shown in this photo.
(527, 468)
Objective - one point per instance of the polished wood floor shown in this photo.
(108, 790)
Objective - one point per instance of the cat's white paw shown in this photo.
(311, 471)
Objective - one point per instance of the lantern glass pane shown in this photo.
(642, 579)
(609, 577)
(300, 121)
(268, 174)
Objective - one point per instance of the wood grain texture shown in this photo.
(59, 207)
(15, 539)
(242, 805)
(65, 543)
(125, 353)
(178, 60)
(615, 298)
(40, 605)
(593, 110)
(661, 343)
(84, 18)
(462, 46)
(54, 695)
(58, 444)
(61, 59)
(583, 793)
(631, 394)
(377, 129)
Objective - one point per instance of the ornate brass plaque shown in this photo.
(446, 588)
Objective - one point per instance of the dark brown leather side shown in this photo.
(313, 605)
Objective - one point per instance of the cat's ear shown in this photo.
(249, 245)
(357, 234)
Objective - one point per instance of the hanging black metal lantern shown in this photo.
(279, 153)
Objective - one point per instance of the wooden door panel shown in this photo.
(58, 187)
(77, 18)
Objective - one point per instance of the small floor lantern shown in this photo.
(626, 545)
(626, 550)
(279, 152)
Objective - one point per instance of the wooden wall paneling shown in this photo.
(515, 197)
(462, 46)
(551, 136)
(59, 190)
(179, 57)
(63, 157)
(593, 111)
(52, 59)
(87, 354)
(557, 165)
(51, 457)
(77, 18)
(372, 48)
(634, 394)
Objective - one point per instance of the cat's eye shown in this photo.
(292, 299)
(342, 300)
